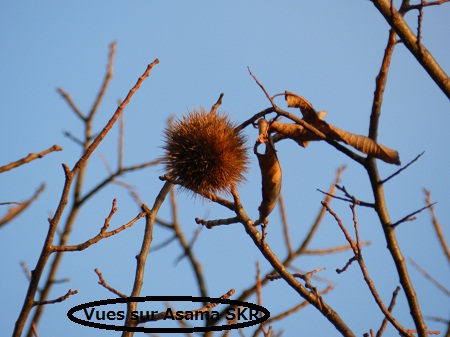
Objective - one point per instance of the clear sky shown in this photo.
(326, 51)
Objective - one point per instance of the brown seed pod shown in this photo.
(204, 152)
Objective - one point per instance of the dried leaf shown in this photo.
(293, 131)
(310, 115)
(271, 182)
(303, 136)
(366, 145)
(296, 101)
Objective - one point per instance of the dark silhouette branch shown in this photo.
(401, 169)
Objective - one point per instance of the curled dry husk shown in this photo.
(271, 175)
(302, 136)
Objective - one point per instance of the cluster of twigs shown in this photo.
(72, 201)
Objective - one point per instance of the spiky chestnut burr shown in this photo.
(204, 153)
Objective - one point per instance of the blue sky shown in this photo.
(326, 51)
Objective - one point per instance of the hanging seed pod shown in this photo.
(204, 152)
(271, 174)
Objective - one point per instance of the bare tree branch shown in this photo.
(102, 282)
(53, 222)
(437, 226)
(409, 39)
(30, 157)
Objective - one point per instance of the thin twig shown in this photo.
(218, 222)
(102, 282)
(106, 81)
(217, 104)
(401, 169)
(349, 198)
(284, 221)
(163, 244)
(333, 250)
(26, 271)
(186, 246)
(390, 308)
(69, 293)
(22, 206)
(141, 258)
(103, 234)
(269, 255)
(429, 277)
(207, 307)
(70, 102)
(380, 85)
(120, 143)
(437, 226)
(359, 258)
(30, 157)
(410, 217)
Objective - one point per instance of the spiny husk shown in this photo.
(204, 153)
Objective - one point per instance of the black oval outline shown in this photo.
(167, 298)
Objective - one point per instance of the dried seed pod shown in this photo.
(204, 152)
(271, 177)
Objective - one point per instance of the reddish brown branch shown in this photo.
(30, 157)
(69, 293)
(102, 282)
